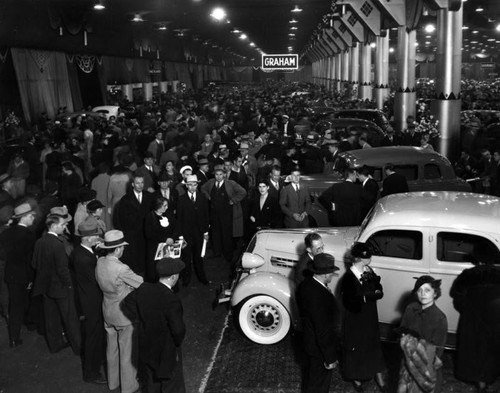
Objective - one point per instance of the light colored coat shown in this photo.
(116, 281)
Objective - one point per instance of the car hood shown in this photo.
(290, 242)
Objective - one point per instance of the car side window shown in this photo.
(432, 171)
(408, 171)
(396, 243)
(464, 247)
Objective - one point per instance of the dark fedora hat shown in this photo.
(323, 264)
(169, 266)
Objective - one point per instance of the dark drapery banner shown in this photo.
(10, 99)
(43, 82)
(413, 12)
(74, 83)
(123, 70)
(90, 88)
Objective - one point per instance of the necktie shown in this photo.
(139, 197)
(192, 198)
(297, 189)
(218, 184)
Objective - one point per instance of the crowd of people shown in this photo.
(93, 201)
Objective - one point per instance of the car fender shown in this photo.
(271, 284)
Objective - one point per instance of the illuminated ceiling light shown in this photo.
(162, 27)
(137, 18)
(252, 44)
(243, 36)
(430, 28)
(290, 48)
(479, 9)
(491, 39)
(218, 14)
(297, 9)
(373, 45)
(99, 5)
(416, 43)
(294, 28)
(391, 50)
(293, 21)
(465, 27)
(236, 31)
(427, 42)
(291, 34)
(475, 31)
(497, 27)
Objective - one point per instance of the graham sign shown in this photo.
(280, 62)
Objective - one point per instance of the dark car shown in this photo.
(425, 170)
(357, 127)
(374, 115)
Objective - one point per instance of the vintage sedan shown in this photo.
(425, 170)
(411, 234)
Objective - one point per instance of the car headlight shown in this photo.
(251, 261)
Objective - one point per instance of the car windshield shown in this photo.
(367, 219)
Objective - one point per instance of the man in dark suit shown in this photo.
(53, 281)
(286, 127)
(226, 213)
(369, 190)
(320, 316)
(295, 202)
(276, 183)
(203, 171)
(149, 171)
(394, 183)
(192, 225)
(83, 262)
(18, 242)
(343, 201)
(314, 246)
(162, 330)
(129, 218)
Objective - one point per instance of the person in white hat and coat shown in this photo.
(116, 281)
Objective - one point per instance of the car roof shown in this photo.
(352, 121)
(379, 156)
(447, 209)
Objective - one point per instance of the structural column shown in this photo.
(446, 107)
(381, 87)
(346, 57)
(128, 92)
(365, 83)
(338, 71)
(405, 98)
(354, 71)
(147, 91)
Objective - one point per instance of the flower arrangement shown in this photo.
(12, 120)
(428, 125)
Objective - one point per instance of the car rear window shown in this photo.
(432, 171)
(408, 171)
(464, 247)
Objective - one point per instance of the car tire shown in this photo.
(263, 319)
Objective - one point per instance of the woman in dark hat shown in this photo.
(361, 288)
(423, 319)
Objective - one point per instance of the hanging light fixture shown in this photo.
(99, 5)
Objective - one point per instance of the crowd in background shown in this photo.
(207, 168)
